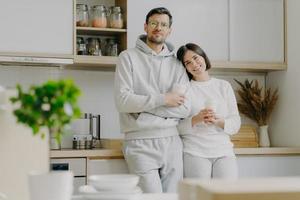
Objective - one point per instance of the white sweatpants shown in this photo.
(157, 161)
(207, 168)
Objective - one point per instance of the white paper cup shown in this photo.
(211, 104)
(51, 186)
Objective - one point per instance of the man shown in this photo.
(149, 108)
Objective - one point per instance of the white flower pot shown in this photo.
(51, 186)
(53, 143)
(264, 140)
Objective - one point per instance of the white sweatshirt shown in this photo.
(205, 140)
(142, 78)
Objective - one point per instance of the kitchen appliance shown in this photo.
(34, 60)
(87, 131)
(76, 165)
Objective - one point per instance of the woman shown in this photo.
(208, 151)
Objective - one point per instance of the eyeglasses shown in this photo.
(154, 24)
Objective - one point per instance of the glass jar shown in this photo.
(111, 47)
(82, 16)
(99, 16)
(116, 18)
(81, 46)
(93, 47)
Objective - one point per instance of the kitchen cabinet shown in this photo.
(88, 61)
(76, 165)
(237, 35)
(106, 166)
(36, 28)
(200, 21)
(268, 165)
(256, 31)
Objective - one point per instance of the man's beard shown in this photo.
(155, 40)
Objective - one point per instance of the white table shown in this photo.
(164, 196)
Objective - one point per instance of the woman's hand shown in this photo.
(208, 116)
(220, 122)
(204, 116)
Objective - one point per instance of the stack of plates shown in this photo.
(111, 187)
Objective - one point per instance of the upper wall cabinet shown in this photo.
(257, 31)
(236, 34)
(204, 22)
(100, 32)
(36, 28)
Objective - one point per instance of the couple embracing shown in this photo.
(177, 119)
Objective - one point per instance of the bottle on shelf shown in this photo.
(111, 47)
(99, 18)
(82, 16)
(81, 46)
(93, 47)
(116, 18)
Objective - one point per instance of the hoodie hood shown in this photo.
(168, 50)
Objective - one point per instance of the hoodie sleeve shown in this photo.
(232, 120)
(182, 111)
(125, 98)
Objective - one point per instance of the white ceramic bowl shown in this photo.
(114, 182)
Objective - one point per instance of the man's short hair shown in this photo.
(160, 11)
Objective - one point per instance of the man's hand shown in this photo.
(173, 99)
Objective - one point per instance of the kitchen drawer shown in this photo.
(78, 181)
(107, 166)
(76, 165)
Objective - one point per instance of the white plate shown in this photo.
(89, 189)
(111, 196)
(112, 182)
(88, 192)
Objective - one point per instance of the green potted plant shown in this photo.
(257, 105)
(52, 105)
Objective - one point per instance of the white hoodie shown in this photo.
(142, 78)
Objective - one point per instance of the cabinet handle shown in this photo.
(59, 166)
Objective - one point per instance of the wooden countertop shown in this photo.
(92, 153)
(268, 151)
(111, 148)
(113, 153)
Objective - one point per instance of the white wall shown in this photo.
(284, 127)
(97, 89)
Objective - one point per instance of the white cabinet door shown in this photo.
(107, 166)
(76, 165)
(78, 181)
(204, 22)
(256, 30)
(36, 26)
(267, 166)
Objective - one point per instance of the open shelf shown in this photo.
(99, 31)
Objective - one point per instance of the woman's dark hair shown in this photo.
(160, 11)
(195, 48)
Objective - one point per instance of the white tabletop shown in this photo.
(164, 196)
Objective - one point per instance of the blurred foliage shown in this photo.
(52, 105)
